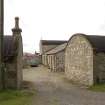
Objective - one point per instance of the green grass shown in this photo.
(15, 97)
(98, 88)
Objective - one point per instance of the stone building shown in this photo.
(56, 58)
(12, 58)
(85, 59)
(47, 45)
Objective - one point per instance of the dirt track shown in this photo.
(54, 89)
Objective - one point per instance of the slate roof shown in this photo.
(57, 49)
(8, 48)
(53, 42)
(98, 42)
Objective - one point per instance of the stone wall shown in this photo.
(56, 62)
(10, 76)
(79, 60)
(51, 62)
(13, 68)
(99, 68)
(60, 61)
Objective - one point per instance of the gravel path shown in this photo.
(54, 89)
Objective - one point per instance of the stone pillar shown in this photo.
(19, 52)
(16, 30)
(1, 40)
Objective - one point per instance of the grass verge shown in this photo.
(98, 88)
(16, 97)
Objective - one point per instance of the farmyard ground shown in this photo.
(54, 89)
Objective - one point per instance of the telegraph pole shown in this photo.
(1, 41)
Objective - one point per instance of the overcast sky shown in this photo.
(54, 19)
